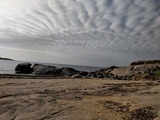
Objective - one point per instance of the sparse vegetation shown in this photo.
(157, 74)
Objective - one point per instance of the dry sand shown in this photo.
(78, 99)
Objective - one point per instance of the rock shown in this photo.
(91, 74)
(39, 69)
(76, 76)
(154, 68)
(23, 68)
(146, 62)
(110, 75)
(104, 69)
(122, 72)
(112, 67)
(57, 72)
(107, 71)
(66, 71)
(142, 77)
(99, 75)
(141, 70)
(83, 73)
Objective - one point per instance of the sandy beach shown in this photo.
(78, 99)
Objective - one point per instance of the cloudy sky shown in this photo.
(83, 32)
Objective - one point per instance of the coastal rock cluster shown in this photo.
(136, 71)
(42, 70)
(146, 62)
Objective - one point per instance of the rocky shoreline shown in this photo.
(149, 70)
(51, 93)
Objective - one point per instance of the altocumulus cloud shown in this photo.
(93, 29)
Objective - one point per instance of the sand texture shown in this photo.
(79, 99)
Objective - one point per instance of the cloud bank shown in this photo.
(100, 27)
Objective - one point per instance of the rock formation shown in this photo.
(39, 69)
(136, 71)
(142, 62)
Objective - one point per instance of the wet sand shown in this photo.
(78, 99)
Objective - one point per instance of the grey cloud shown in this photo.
(98, 26)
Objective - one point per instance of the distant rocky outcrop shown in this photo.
(142, 62)
(5, 59)
(23, 68)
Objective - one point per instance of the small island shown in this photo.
(6, 59)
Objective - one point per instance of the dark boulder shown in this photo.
(113, 67)
(83, 73)
(57, 72)
(23, 68)
(99, 75)
(110, 75)
(91, 74)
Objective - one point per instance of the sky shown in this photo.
(81, 32)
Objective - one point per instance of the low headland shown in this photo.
(40, 92)
(1, 58)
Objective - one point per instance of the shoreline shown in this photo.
(30, 76)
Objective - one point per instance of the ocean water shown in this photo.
(7, 66)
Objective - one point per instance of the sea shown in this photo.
(8, 66)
